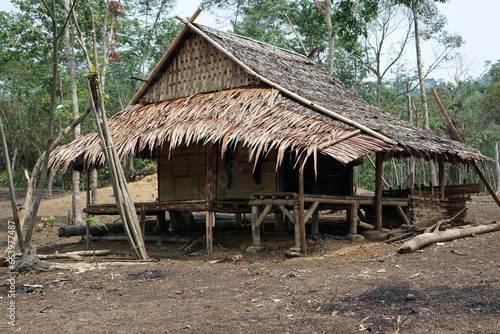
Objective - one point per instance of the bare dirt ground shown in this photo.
(340, 287)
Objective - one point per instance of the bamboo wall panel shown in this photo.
(242, 181)
(182, 176)
(197, 68)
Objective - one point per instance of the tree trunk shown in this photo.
(94, 186)
(423, 94)
(331, 40)
(497, 163)
(52, 174)
(70, 56)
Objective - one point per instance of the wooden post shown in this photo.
(238, 219)
(353, 218)
(315, 222)
(379, 169)
(255, 229)
(296, 227)
(143, 220)
(87, 187)
(441, 176)
(209, 217)
(302, 222)
(87, 216)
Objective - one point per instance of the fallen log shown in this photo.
(78, 230)
(440, 236)
(71, 255)
(148, 238)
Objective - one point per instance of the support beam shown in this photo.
(296, 227)
(401, 214)
(379, 169)
(263, 216)
(255, 231)
(302, 222)
(353, 218)
(209, 216)
(441, 176)
(310, 211)
(287, 213)
(142, 222)
(315, 222)
(87, 187)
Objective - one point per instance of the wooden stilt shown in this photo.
(255, 230)
(87, 187)
(238, 219)
(87, 222)
(142, 222)
(302, 222)
(441, 176)
(296, 227)
(209, 218)
(379, 169)
(353, 218)
(315, 222)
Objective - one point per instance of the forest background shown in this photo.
(364, 43)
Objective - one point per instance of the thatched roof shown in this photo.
(301, 75)
(261, 118)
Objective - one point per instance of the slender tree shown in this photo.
(71, 65)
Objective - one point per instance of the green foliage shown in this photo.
(51, 221)
(93, 221)
(17, 176)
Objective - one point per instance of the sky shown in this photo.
(476, 21)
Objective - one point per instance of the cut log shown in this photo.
(148, 238)
(440, 236)
(74, 255)
(77, 230)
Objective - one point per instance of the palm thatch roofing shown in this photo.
(261, 117)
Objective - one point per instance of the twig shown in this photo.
(244, 293)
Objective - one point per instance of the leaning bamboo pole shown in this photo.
(124, 203)
(457, 135)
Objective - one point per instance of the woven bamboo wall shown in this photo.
(197, 68)
(182, 177)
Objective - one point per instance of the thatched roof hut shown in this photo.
(210, 103)
(269, 110)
